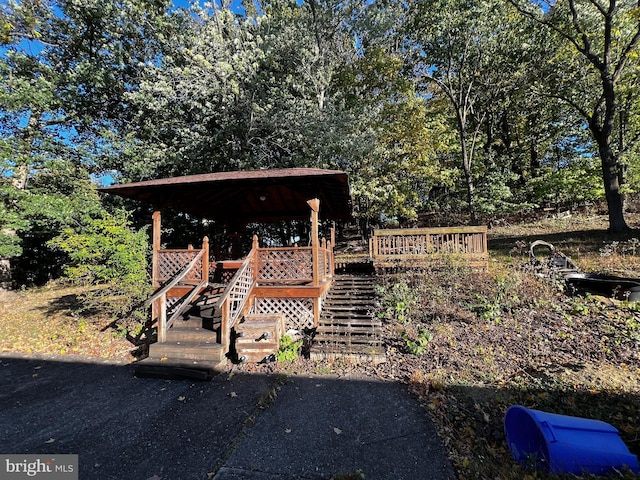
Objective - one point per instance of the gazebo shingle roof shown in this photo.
(247, 196)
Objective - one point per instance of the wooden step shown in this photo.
(177, 368)
(257, 337)
(355, 300)
(211, 352)
(196, 335)
(350, 308)
(348, 327)
(364, 290)
(350, 353)
(350, 320)
(346, 340)
(361, 328)
(187, 322)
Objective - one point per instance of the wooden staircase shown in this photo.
(348, 327)
(192, 348)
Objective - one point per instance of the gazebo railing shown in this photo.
(287, 273)
(279, 265)
(176, 268)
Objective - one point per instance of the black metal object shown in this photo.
(559, 264)
(608, 285)
(556, 263)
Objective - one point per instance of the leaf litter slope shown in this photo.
(508, 337)
(46, 321)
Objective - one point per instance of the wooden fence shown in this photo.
(427, 246)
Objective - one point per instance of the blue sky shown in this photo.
(236, 5)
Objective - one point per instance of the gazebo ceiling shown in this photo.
(247, 196)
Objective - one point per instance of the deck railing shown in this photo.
(283, 265)
(284, 273)
(428, 245)
(292, 283)
(177, 270)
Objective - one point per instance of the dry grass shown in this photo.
(46, 321)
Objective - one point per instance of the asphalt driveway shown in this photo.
(233, 427)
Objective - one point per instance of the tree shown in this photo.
(63, 77)
(454, 45)
(597, 50)
(396, 167)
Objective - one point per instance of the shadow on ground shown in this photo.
(236, 426)
(581, 240)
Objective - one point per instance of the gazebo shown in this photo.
(290, 282)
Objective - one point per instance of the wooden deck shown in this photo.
(200, 311)
(429, 247)
(288, 283)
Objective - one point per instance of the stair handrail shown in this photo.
(232, 284)
(186, 301)
(174, 281)
(231, 313)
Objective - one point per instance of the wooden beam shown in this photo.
(157, 225)
(264, 291)
(156, 238)
(315, 208)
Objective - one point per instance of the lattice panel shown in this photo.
(298, 312)
(291, 264)
(171, 262)
(171, 303)
(239, 292)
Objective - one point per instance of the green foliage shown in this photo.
(288, 350)
(398, 302)
(104, 252)
(418, 345)
(502, 299)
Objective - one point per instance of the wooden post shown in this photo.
(374, 243)
(225, 331)
(332, 245)
(325, 274)
(157, 224)
(256, 258)
(205, 259)
(156, 237)
(315, 207)
(162, 318)
(317, 302)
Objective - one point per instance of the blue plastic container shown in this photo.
(563, 444)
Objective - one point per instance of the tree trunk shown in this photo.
(468, 174)
(602, 133)
(617, 223)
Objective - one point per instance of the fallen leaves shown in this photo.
(24, 331)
